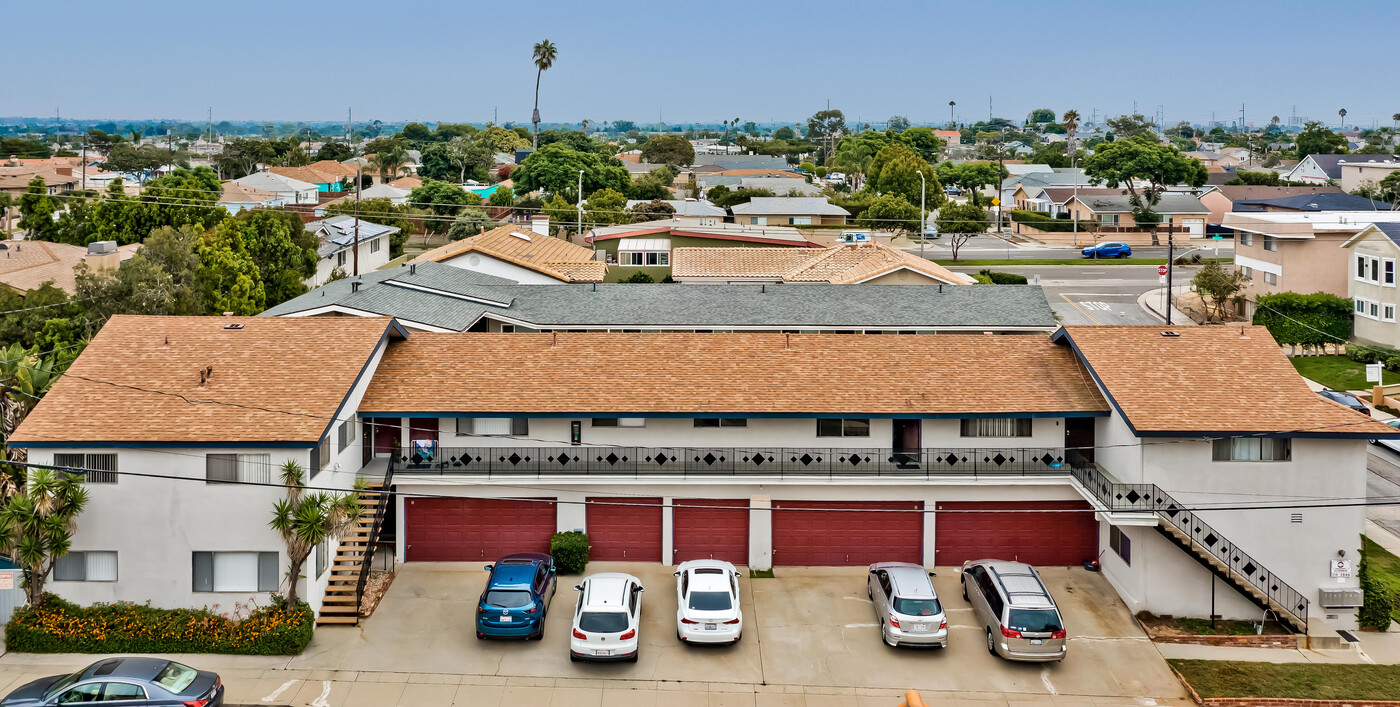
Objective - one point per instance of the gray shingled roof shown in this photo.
(1331, 164)
(1170, 204)
(794, 306)
(815, 205)
(339, 233)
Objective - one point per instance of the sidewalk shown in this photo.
(1152, 301)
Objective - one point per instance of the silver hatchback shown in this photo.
(1015, 610)
(906, 605)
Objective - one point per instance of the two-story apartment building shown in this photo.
(1129, 444)
(1371, 283)
(1301, 251)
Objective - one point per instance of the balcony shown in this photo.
(704, 462)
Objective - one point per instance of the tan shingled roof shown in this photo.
(25, 265)
(235, 193)
(1209, 379)
(840, 264)
(729, 373)
(545, 254)
(407, 183)
(275, 380)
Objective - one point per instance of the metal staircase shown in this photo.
(1197, 538)
(355, 555)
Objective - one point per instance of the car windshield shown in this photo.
(602, 622)
(710, 601)
(1034, 620)
(508, 600)
(63, 683)
(175, 677)
(917, 607)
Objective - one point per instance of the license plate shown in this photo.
(1036, 641)
(711, 627)
(602, 652)
(919, 627)
(506, 619)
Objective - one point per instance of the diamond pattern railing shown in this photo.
(709, 461)
(1150, 498)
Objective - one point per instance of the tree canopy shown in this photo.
(1316, 139)
(896, 170)
(671, 150)
(1123, 163)
(555, 168)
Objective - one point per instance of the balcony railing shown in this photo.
(684, 462)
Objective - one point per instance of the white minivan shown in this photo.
(607, 618)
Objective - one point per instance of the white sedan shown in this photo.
(607, 618)
(707, 601)
(1393, 444)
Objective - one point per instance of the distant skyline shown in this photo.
(460, 62)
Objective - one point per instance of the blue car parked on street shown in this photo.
(1108, 250)
(517, 596)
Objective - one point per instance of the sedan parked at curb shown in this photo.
(607, 617)
(906, 605)
(517, 596)
(1108, 250)
(1346, 399)
(128, 681)
(707, 600)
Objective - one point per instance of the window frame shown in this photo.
(720, 422)
(1227, 449)
(1270, 278)
(86, 460)
(1387, 272)
(989, 427)
(847, 426)
(1121, 544)
(243, 463)
(83, 556)
(1246, 238)
(1387, 312)
(269, 564)
(1270, 244)
(374, 245)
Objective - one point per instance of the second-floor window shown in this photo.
(997, 427)
(1246, 238)
(1270, 278)
(1270, 243)
(721, 422)
(498, 426)
(235, 468)
(850, 427)
(99, 468)
(1252, 449)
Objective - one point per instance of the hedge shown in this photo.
(60, 626)
(570, 551)
(1305, 320)
(1045, 222)
(1003, 278)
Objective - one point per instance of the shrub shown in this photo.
(570, 551)
(1376, 606)
(640, 278)
(1392, 362)
(1308, 320)
(1044, 222)
(1004, 278)
(60, 626)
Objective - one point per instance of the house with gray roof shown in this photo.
(291, 191)
(743, 161)
(788, 211)
(1319, 169)
(339, 236)
(690, 208)
(440, 298)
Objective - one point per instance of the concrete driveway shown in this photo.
(810, 627)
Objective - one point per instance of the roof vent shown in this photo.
(521, 236)
(1171, 333)
(233, 327)
(355, 286)
(413, 268)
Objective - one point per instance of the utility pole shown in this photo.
(1170, 228)
(923, 215)
(358, 182)
(84, 187)
(580, 206)
(989, 109)
(1001, 148)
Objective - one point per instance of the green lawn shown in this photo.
(1338, 372)
(1309, 681)
(1069, 261)
(1385, 567)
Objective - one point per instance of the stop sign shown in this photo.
(1161, 270)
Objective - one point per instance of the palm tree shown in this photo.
(951, 120)
(306, 520)
(1071, 123)
(1343, 114)
(585, 123)
(391, 162)
(1394, 120)
(24, 378)
(544, 56)
(37, 525)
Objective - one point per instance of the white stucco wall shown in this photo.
(1166, 581)
(369, 262)
(479, 262)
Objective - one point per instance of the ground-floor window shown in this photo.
(1121, 544)
(1251, 449)
(236, 572)
(86, 566)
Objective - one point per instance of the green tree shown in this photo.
(971, 176)
(7, 209)
(561, 213)
(37, 525)
(959, 223)
(337, 151)
(896, 170)
(1042, 115)
(893, 212)
(502, 195)
(727, 198)
(305, 520)
(25, 376)
(472, 157)
(784, 133)
(37, 211)
(161, 279)
(20, 147)
(640, 278)
(672, 150)
(1131, 126)
(923, 142)
(897, 123)
(544, 55)
(1219, 289)
(391, 163)
(1243, 176)
(141, 161)
(416, 132)
(281, 248)
(470, 222)
(241, 156)
(1124, 163)
(606, 206)
(228, 276)
(443, 200)
(555, 168)
(1316, 139)
(655, 210)
(498, 139)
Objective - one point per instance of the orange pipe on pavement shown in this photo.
(911, 699)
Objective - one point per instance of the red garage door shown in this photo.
(624, 528)
(711, 529)
(847, 533)
(461, 529)
(1037, 538)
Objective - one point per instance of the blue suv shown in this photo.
(1107, 250)
(517, 596)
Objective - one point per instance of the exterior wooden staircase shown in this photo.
(341, 604)
(1241, 576)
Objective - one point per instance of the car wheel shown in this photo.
(634, 657)
(964, 588)
(480, 636)
(539, 635)
(573, 658)
(991, 643)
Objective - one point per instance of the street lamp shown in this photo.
(923, 215)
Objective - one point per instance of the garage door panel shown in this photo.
(710, 529)
(624, 529)
(467, 529)
(832, 533)
(1016, 531)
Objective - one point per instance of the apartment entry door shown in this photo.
(907, 443)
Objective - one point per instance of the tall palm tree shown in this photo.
(391, 162)
(37, 525)
(950, 113)
(1071, 123)
(1394, 120)
(1343, 114)
(306, 520)
(544, 56)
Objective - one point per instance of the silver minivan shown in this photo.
(906, 605)
(1015, 610)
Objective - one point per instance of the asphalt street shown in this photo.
(992, 247)
(1383, 485)
(1095, 294)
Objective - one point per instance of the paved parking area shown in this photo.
(810, 641)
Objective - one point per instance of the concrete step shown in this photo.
(339, 609)
(337, 619)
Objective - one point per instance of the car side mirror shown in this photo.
(676, 574)
(933, 574)
(488, 568)
(641, 589)
(553, 570)
(578, 587)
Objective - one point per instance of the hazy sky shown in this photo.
(700, 61)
